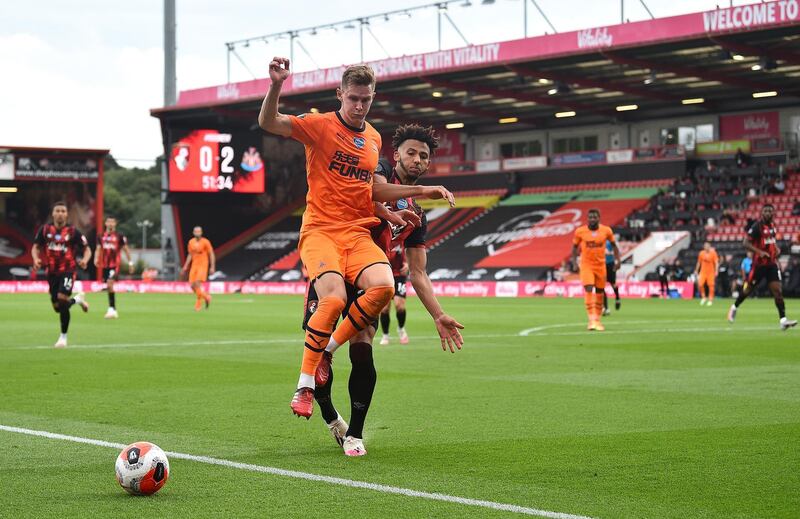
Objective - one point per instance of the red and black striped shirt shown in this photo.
(764, 236)
(111, 243)
(60, 247)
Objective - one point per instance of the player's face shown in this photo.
(594, 220)
(707, 246)
(356, 101)
(59, 215)
(413, 159)
(767, 213)
(197, 232)
(111, 224)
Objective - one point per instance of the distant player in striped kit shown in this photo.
(108, 252)
(60, 248)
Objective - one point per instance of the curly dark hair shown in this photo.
(417, 133)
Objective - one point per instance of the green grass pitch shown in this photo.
(671, 412)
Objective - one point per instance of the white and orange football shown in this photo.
(142, 468)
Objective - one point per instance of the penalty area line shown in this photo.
(385, 489)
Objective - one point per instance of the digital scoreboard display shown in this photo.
(210, 161)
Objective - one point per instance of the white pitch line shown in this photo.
(162, 344)
(386, 489)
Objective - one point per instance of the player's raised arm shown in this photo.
(447, 327)
(269, 118)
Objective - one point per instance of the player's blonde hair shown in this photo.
(361, 75)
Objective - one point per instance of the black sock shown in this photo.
(740, 298)
(605, 300)
(616, 292)
(112, 299)
(385, 323)
(71, 302)
(401, 318)
(322, 395)
(781, 307)
(362, 386)
(64, 315)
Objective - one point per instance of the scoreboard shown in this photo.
(210, 161)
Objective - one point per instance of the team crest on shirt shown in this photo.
(359, 142)
(402, 203)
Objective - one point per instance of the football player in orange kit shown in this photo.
(706, 269)
(590, 240)
(200, 255)
(342, 151)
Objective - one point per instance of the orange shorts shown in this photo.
(591, 275)
(323, 252)
(705, 279)
(198, 274)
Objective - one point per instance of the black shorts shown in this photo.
(60, 284)
(400, 286)
(758, 272)
(111, 274)
(312, 300)
(611, 274)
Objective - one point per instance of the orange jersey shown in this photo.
(199, 250)
(708, 261)
(340, 161)
(593, 245)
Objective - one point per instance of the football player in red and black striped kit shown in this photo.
(60, 248)
(762, 241)
(110, 247)
(403, 222)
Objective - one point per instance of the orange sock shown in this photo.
(598, 303)
(588, 300)
(362, 312)
(318, 331)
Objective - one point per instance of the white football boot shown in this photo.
(787, 323)
(111, 314)
(353, 447)
(80, 300)
(62, 341)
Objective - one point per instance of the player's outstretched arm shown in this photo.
(384, 192)
(447, 327)
(269, 118)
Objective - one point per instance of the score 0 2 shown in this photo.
(223, 180)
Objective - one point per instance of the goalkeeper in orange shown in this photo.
(706, 269)
(200, 255)
(590, 241)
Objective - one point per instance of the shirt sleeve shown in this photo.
(754, 231)
(418, 235)
(610, 235)
(79, 241)
(307, 128)
(39, 239)
(384, 169)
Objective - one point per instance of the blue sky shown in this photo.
(86, 73)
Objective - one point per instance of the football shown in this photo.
(142, 468)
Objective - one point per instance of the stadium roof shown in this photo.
(654, 68)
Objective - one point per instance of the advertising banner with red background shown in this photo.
(549, 241)
(628, 289)
(646, 32)
(759, 125)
